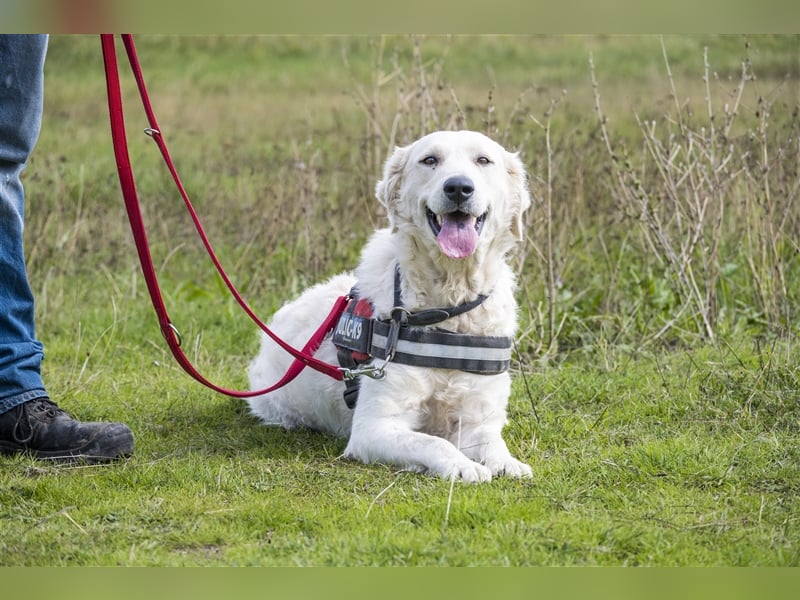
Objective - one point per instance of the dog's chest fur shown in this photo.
(442, 411)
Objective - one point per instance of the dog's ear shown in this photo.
(520, 196)
(388, 187)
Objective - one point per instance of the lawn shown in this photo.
(656, 372)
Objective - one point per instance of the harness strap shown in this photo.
(352, 385)
(430, 316)
(304, 357)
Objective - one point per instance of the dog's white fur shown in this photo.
(438, 421)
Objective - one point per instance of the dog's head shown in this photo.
(457, 190)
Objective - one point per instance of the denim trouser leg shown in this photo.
(21, 90)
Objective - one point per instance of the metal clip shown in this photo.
(391, 337)
(372, 371)
(175, 332)
(152, 132)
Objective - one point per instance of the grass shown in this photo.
(648, 449)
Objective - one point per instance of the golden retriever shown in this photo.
(455, 202)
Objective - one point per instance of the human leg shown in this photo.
(29, 421)
(21, 93)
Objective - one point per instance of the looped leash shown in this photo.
(302, 358)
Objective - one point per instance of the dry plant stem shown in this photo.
(452, 484)
(671, 83)
(774, 234)
(551, 279)
(552, 339)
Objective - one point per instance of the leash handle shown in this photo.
(302, 358)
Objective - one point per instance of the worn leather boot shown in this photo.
(40, 428)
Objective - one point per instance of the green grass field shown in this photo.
(656, 390)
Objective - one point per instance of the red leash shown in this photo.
(304, 357)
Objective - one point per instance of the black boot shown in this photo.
(38, 427)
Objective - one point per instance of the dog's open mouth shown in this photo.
(456, 232)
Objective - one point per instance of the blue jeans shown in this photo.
(21, 92)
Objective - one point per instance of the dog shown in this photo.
(455, 202)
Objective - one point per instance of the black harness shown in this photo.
(406, 339)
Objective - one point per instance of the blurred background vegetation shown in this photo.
(665, 175)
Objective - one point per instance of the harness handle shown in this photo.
(302, 358)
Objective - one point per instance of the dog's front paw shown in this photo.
(468, 471)
(510, 467)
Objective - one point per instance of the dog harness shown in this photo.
(406, 338)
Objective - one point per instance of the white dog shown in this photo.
(455, 201)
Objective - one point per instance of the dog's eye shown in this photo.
(483, 160)
(430, 160)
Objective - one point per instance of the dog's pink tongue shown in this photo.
(458, 237)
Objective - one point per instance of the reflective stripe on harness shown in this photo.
(486, 355)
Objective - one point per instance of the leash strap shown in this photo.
(303, 358)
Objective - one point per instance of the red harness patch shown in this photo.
(361, 308)
(354, 329)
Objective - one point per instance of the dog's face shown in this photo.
(455, 190)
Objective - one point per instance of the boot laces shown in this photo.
(40, 409)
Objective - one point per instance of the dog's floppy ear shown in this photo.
(520, 196)
(388, 187)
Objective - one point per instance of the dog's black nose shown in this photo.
(458, 189)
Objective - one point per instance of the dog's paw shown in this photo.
(510, 467)
(468, 471)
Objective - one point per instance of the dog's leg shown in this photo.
(480, 428)
(388, 426)
(386, 442)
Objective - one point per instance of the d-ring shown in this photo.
(176, 332)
